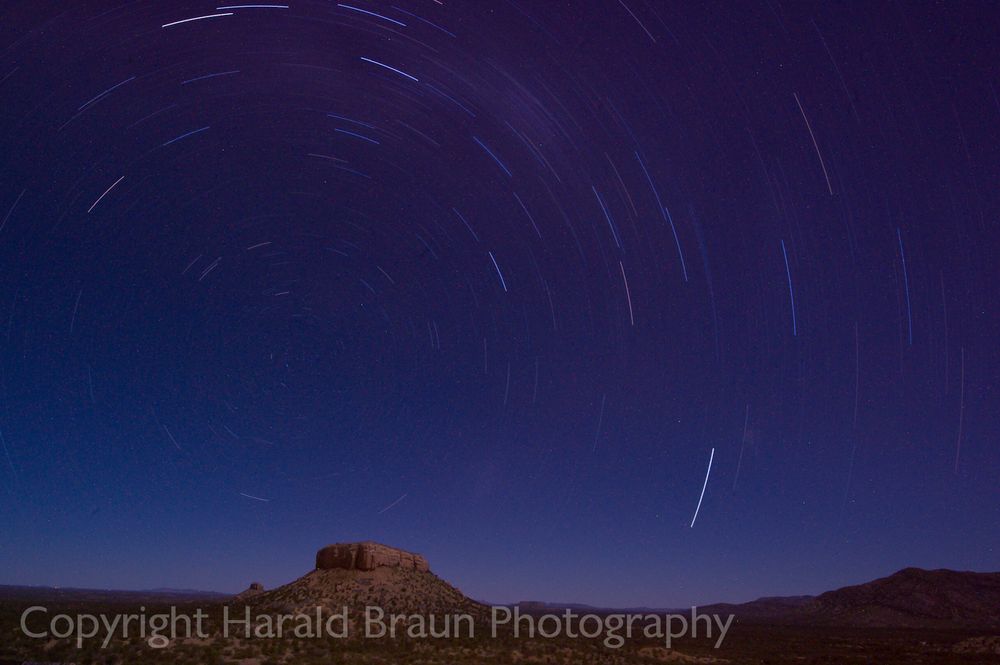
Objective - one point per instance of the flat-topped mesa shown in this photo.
(367, 555)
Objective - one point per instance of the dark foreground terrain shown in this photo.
(747, 642)
(912, 616)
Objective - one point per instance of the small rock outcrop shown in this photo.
(368, 555)
(252, 590)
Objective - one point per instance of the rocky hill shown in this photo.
(912, 597)
(357, 575)
(255, 589)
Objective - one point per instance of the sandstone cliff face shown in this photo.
(368, 555)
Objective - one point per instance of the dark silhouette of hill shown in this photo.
(762, 609)
(915, 598)
(910, 598)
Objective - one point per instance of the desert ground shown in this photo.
(746, 643)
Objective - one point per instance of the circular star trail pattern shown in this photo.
(521, 286)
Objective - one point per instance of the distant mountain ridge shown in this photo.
(22, 592)
(913, 597)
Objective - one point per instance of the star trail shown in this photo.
(268, 267)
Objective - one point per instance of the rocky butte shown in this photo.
(368, 555)
(363, 574)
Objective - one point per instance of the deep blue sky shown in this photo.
(490, 281)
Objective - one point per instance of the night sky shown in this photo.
(507, 283)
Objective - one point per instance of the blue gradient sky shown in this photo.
(498, 300)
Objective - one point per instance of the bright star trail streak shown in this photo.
(490, 153)
(527, 214)
(466, 223)
(503, 282)
(703, 486)
(184, 136)
(611, 224)
(365, 11)
(636, 18)
(351, 120)
(104, 194)
(196, 18)
(392, 505)
(791, 292)
(210, 76)
(357, 136)
(906, 286)
(255, 498)
(391, 69)
(105, 93)
(815, 145)
(628, 294)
